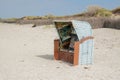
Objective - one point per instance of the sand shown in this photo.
(26, 53)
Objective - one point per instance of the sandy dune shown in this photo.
(26, 53)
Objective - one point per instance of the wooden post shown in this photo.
(56, 49)
(76, 54)
(76, 49)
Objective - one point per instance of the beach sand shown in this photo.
(26, 53)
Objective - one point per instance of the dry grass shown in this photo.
(98, 17)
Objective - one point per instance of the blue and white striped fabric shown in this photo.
(83, 29)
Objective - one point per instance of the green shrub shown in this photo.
(103, 12)
(31, 17)
(97, 11)
(92, 10)
(49, 16)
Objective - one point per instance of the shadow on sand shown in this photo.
(51, 57)
(48, 57)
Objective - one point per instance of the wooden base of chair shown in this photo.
(65, 55)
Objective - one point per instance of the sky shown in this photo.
(20, 8)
